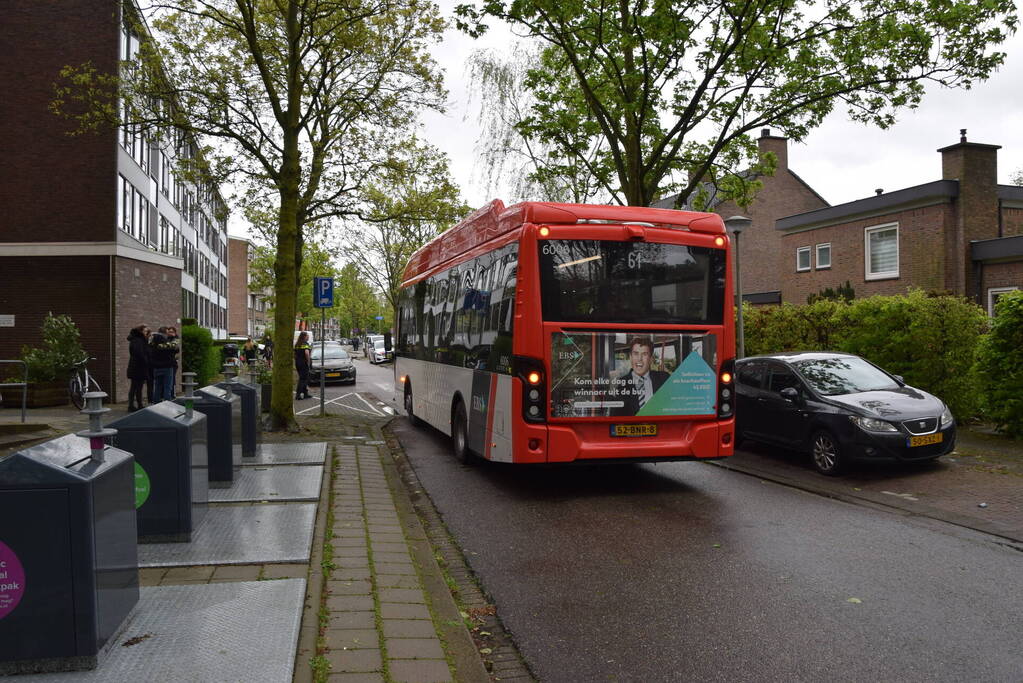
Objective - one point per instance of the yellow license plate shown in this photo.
(926, 440)
(333, 374)
(633, 430)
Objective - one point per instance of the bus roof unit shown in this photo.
(494, 220)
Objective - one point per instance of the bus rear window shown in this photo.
(631, 282)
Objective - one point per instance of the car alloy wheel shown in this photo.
(827, 455)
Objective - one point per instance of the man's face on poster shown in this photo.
(640, 358)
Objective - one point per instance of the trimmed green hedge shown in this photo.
(930, 340)
(198, 354)
(1000, 366)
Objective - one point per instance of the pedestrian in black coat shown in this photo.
(138, 365)
(149, 366)
(302, 363)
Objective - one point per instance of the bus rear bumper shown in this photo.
(683, 440)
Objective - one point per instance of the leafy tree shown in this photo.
(358, 303)
(1017, 177)
(304, 99)
(413, 201)
(535, 168)
(1000, 366)
(674, 89)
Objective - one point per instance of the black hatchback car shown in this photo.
(838, 407)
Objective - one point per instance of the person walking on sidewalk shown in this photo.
(172, 336)
(138, 365)
(268, 351)
(163, 353)
(303, 359)
(249, 351)
(149, 368)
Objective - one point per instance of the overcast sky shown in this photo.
(841, 160)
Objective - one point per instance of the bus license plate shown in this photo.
(925, 440)
(633, 430)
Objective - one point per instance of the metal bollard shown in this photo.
(188, 382)
(96, 432)
(230, 376)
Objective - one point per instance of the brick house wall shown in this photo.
(783, 194)
(1012, 222)
(144, 293)
(940, 223)
(1002, 275)
(920, 264)
(63, 285)
(975, 166)
(761, 253)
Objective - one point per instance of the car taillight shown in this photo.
(534, 388)
(726, 389)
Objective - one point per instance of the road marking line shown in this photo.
(325, 404)
(370, 405)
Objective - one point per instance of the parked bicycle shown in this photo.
(81, 382)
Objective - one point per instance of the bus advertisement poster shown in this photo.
(597, 374)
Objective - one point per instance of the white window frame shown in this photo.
(817, 256)
(886, 275)
(809, 265)
(991, 292)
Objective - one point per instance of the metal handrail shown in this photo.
(23, 385)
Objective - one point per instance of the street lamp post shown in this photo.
(735, 225)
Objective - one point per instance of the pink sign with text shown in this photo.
(12, 580)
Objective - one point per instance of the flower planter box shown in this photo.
(40, 395)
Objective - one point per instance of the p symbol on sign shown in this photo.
(323, 292)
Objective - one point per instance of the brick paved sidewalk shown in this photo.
(385, 613)
(379, 620)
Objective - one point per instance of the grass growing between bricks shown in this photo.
(492, 641)
(319, 663)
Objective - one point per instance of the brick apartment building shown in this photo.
(96, 226)
(961, 234)
(247, 310)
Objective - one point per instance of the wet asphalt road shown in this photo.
(685, 571)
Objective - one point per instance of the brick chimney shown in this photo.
(777, 144)
(975, 166)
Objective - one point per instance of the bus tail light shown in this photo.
(726, 389)
(534, 389)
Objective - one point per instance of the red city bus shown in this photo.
(551, 333)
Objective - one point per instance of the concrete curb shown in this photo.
(492, 645)
(468, 665)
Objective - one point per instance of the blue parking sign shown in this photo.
(323, 292)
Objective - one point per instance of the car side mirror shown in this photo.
(898, 378)
(790, 394)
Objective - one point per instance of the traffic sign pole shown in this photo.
(323, 298)
(323, 373)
